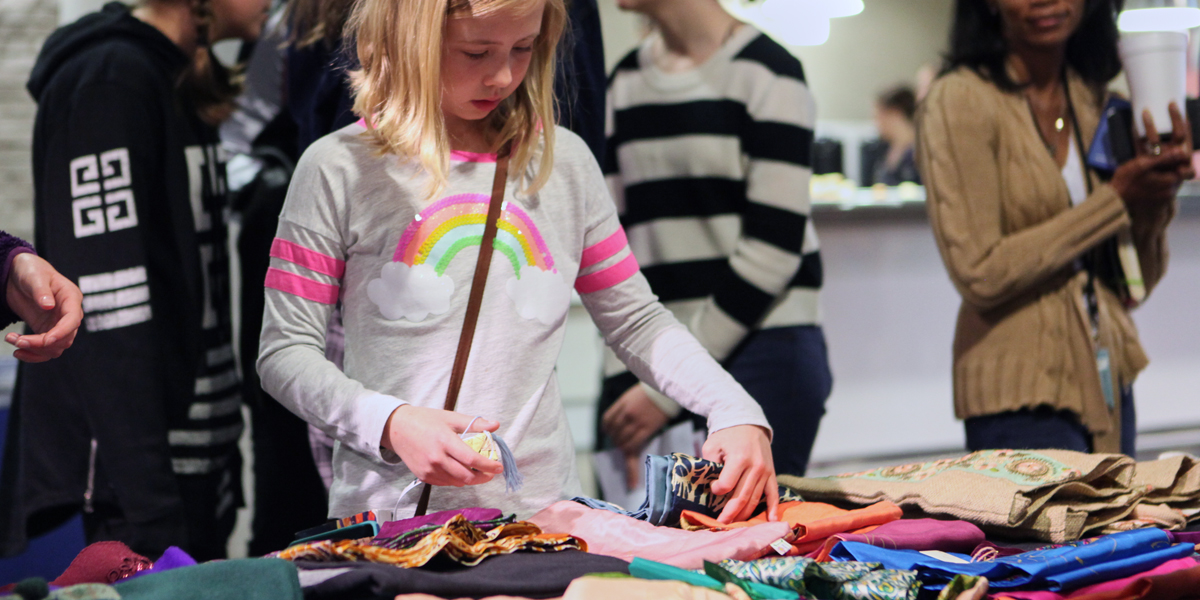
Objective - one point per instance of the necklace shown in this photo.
(1060, 122)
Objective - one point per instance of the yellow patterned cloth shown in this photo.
(458, 540)
(484, 444)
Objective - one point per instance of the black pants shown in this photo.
(1044, 427)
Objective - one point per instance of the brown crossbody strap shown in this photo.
(475, 301)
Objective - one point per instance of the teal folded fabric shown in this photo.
(242, 579)
(829, 581)
(648, 569)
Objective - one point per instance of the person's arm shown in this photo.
(11, 246)
(1150, 218)
(957, 134)
(302, 286)
(660, 351)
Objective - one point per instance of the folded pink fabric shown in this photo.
(624, 537)
(911, 534)
(1170, 566)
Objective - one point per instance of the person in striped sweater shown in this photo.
(710, 129)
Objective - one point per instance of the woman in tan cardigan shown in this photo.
(1017, 214)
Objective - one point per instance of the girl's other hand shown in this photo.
(49, 304)
(749, 471)
(1153, 177)
(426, 439)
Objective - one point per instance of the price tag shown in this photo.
(781, 546)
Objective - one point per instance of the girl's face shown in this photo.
(484, 59)
(238, 19)
(1039, 23)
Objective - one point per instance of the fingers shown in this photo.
(746, 495)
(771, 490)
(479, 425)
(1153, 142)
(633, 471)
(1180, 132)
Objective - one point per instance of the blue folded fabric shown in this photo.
(665, 499)
(1058, 568)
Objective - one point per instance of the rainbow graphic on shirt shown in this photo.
(453, 224)
(416, 284)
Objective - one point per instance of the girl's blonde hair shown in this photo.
(398, 87)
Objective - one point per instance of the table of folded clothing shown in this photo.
(1000, 524)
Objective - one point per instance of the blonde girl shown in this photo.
(386, 216)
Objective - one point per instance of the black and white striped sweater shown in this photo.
(710, 170)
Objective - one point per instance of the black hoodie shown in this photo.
(140, 417)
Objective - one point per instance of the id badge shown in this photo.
(1104, 366)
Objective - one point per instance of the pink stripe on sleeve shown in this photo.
(304, 287)
(603, 249)
(602, 280)
(309, 259)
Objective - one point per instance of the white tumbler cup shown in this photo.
(1156, 67)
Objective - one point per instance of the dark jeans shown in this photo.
(1044, 427)
(786, 369)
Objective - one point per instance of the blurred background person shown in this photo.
(137, 426)
(709, 157)
(1017, 216)
(894, 112)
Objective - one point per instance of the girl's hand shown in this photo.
(426, 439)
(48, 303)
(749, 471)
(1153, 177)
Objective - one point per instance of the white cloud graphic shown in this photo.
(539, 294)
(404, 292)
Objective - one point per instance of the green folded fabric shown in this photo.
(242, 579)
(648, 569)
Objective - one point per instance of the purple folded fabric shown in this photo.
(173, 558)
(1184, 537)
(912, 534)
(395, 528)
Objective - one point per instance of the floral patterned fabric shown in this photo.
(1053, 495)
(829, 581)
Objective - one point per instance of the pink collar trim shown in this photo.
(476, 157)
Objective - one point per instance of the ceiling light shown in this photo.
(842, 8)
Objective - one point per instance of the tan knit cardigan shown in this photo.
(1010, 238)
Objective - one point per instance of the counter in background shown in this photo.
(889, 312)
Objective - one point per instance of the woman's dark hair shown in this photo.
(900, 98)
(211, 86)
(977, 42)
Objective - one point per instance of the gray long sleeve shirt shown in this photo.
(356, 227)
